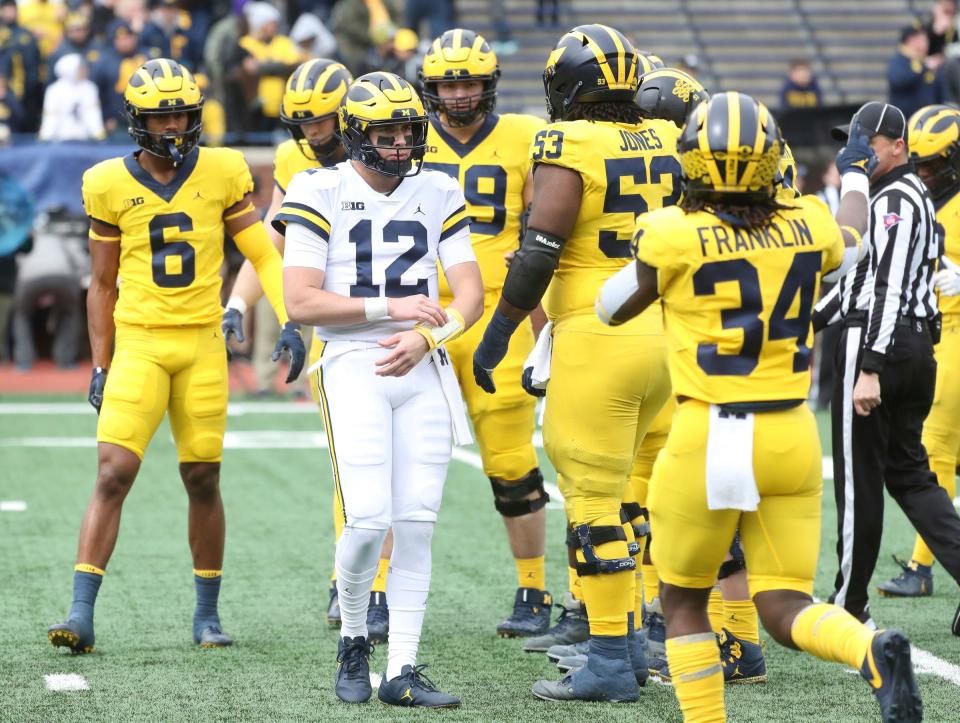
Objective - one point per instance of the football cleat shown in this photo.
(413, 688)
(656, 631)
(73, 634)
(531, 614)
(888, 670)
(212, 636)
(742, 660)
(603, 678)
(333, 608)
(555, 652)
(352, 684)
(914, 580)
(378, 618)
(658, 668)
(571, 627)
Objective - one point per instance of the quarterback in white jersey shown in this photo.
(363, 239)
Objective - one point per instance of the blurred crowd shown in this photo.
(64, 63)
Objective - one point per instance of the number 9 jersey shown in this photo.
(627, 170)
(737, 301)
(172, 234)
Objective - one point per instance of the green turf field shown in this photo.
(279, 553)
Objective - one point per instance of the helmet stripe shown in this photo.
(621, 53)
(457, 39)
(754, 140)
(733, 141)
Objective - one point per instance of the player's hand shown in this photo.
(866, 393)
(232, 323)
(492, 350)
(291, 341)
(416, 308)
(407, 349)
(947, 279)
(508, 258)
(97, 382)
(526, 380)
(857, 156)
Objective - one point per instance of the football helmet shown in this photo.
(591, 63)
(313, 92)
(460, 55)
(786, 179)
(376, 100)
(670, 94)
(160, 87)
(730, 150)
(647, 62)
(933, 140)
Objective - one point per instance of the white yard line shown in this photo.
(471, 458)
(65, 682)
(234, 409)
(13, 506)
(927, 663)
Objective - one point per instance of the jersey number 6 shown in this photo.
(161, 250)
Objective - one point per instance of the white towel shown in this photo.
(730, 481)
(539, 357)
(451, 392)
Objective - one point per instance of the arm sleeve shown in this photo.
(255, 244)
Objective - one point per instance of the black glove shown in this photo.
(492, 350)
(527, 382)
(232, 323)
(291, 341)
(857, 155)
(97, 382)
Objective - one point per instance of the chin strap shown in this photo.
(175, 155)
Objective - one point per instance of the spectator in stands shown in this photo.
(439, 14)
(800, 88)
(44, 19)
(134, 12)
(71, 105)
(401, 55)
(226, 77)
(949, 75)
(911, 75)
(312, 37)
(940, 27)
(363, 27)
(77, 40)
(270, 58)
(21, 64)
(551, 6)
(166, 35)
(113, 70)
(11, 112)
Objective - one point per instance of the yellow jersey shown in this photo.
(948, 216)
(627, 169)
(492, 169)
(289, 160)
(737, 302)
(171, 236)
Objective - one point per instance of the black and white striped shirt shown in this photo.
(895, 277)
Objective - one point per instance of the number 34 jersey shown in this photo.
(627, 169)
(737, 302)
(171, 235)
(370, 244)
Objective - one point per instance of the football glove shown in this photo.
(291, 341)
(947, 279)
(857, 156)
(492, 350)
(527, 382)
(232, 323)
(97, 382)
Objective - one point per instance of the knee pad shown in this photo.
(412, 546)
(632, 512)
(738, 563)
(358, 548)
(507, 497)
(586, 537)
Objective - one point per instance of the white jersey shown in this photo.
(369, 244)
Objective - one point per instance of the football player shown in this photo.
(596, 167)
(309, 108)
(157, 221)
(363, 239)
(934, 143)
(488, 155)
(737, 272)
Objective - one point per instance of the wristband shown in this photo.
(237, 302)
(854, 181)
(376, 308)
(440, 335)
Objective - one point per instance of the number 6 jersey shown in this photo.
(370, 244)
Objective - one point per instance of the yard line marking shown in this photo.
(234, 409)
(13, 506)
(375, 680)
(55, 442)
(471, 458)
(65, 682)
(927, 663)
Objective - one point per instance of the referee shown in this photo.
(885, 370)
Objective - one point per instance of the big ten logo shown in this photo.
(351, 206)
(131, 202)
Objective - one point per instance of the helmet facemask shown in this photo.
(171, 146)
(461, 112)
(942, 172)
(321, 151)
(364, 144)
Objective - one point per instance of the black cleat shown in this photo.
(413, 688)
(915, 580)
(333, 608)
(571, 627)
(73, 634)
(888, 670)
(531, 614)
(742, 660)
(378, 618)
(352, 683)
(212, 636)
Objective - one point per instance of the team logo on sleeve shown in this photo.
(890, 220)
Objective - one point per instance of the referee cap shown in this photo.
(876, 119)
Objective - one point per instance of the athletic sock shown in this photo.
(407, 587)
(831, 633)
(715, 610)
(358, 552)
(207, 585)
(531, 572)
(86, 585)
(694, 662)
(651, 583)
(921, 553)
(573, 584)
(608, 596)
(380, 579)
(638, 595)
(740, 618)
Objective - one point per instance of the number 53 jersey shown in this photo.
(737, 301)
(370, 244)
(171, 247)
